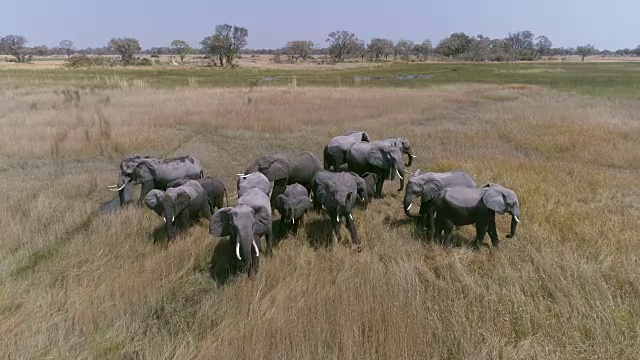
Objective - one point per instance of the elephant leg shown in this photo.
(481, 231)
(335, 226)
(182, 220)
(351, 226)
(207, 211)
(146, 187)
(269, 239)
(278, 188)
(379, 185)
(493, 233)
(448, 232)
(255, 258)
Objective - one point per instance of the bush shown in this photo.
(144, 62)
(155, 55)
(84, 61)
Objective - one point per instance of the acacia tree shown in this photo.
(14, 45)
(404, 48)
(298, 49)
(341, 43)
(125, 47)
(520, 41)
(455, 45)
(226, 42)
(380, 47)
(585, 51)
(543, 45)
(423, 50)
(67, 46)
(181, 48)
(215, 46)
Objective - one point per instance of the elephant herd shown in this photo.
(353, 172)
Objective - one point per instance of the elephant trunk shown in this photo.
(169, 227)
(408, 203)
(122, 182)
(411, 156)
(515, 219)
(399, 169)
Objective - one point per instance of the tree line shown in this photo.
(228, 41)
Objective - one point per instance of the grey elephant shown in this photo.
(383, 160)
(337, 193)
(254, 180)
(246, 224)
(458, 206)
(284, 170)
(400, 143)
(215, 189)
(370, 180)
(427, 186)
(292, 206)
(154, 173)
(179, 205)
(335, 152)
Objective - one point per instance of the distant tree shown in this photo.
(585, 51)
(455, 45)
(215, 46)
(404, 48)
(41, 50)
(380, 47)
(67, 46)
(423, 49)
(226, 42)
(14, 45)
(341, 43)
(520, 41)
(636, 51)
(298, 49)
(238, 42)
(543, 45)
(181, 48)
(480, 48)
(125, 47)
(360, 49)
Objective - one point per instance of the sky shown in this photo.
(608, 24)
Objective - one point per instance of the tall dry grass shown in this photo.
(77, 284)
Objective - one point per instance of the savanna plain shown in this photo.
(76, 283)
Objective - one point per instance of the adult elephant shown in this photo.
(254, 180)
(284, 170)
(458, 206)
(215, 189)
(402, 144)
(337, 193)
(181, 203)
(335, 152)
(246, 224)
(427, 186)
(154, 173)
(383, 160)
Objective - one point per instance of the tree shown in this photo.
(181, 48)
(41, 50)
(226, 42)
(67, 46)
(380, 47)
(543, 45)
(14, 45)
(423, 50)
(125, 47)
(215, 46)
(238, 42)
(404, 48)
(519, 41)
(585, 51)
(299, 49)
(341, 43)
(454, 45)
(360, 49)
(480, 48)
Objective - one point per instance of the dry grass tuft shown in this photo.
(77, 284)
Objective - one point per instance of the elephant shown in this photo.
(254, 180)
(292, 205)
(334, 154)
(182, 203)
(154, 173)
(427, 186)
(245, 224)
(285, 170)
(383, 160)
(458, 206)
(370, 179)
(337, 193)
(215, 189)
(400, 143)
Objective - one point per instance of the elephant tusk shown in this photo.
(351, 217)
(238, 251)
(413, 156)
(255, 246)
(293, 220)
(410, 173)
(409, 207)
(517, 220)
(173, 218)
(118, 189)
(338, 218)
(164, 218)
(113, 186)
(400, 176)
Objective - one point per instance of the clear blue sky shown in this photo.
(610, 24)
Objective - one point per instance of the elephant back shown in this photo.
(260, 203)
(169, 170)
(295, 190)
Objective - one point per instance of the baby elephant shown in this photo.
(215, 189)
(458, 206)
(179, 205)
(370, 179)
(292, 205)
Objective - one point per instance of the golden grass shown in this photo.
(77, 284)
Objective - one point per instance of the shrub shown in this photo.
(144, 62)
(155, 55)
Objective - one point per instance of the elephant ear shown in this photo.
(300, 206)
(153, 200)
(276, 169)
(494, 199)
(365, 137)
(220, 223)
(376, 157)
(431, 189)
(143, 172)
(279, 202)
(182, 201)
(360, 184)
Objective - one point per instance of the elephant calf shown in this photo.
(458, 206)
(215, 189)
(292, 205)
(182, 203)
(245, 224)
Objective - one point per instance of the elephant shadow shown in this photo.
(319, 233)
(222, 268)
(416, 228)
(159, 235)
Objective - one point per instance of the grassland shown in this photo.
(78, 284)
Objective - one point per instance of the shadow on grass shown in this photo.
(222, 267)
(319, 233)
